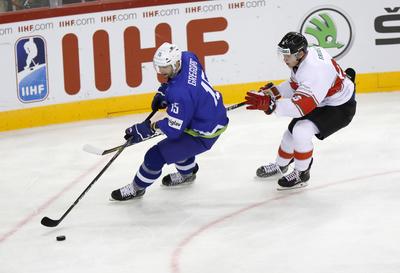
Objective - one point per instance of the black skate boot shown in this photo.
(126, 193)
(272, 169)
(295, 179)
(351, 74)
(177, 179)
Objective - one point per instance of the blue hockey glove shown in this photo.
(163, 88)
(139, 132)
(159, 101)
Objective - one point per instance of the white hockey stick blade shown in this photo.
(93, 150)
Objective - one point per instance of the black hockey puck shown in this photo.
(60, 238)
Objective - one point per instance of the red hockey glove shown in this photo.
(266, 87)
(269, 88)
(260, 101)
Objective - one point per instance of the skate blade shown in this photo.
(114, 200)
(177, 186)
(297, 186)
(268, 178)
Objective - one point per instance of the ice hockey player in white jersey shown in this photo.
(319, 96)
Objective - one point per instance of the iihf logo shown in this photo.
(31, 68)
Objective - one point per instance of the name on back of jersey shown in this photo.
(192, 74)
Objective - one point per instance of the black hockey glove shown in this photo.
(159, 101)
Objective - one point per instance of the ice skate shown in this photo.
(177, 179)
(272, 170)
(126, 193)
(295, 179)
(351, 74)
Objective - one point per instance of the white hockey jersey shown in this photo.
(318, 81)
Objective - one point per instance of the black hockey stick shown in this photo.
(97, 151)
(234, 106)
(46, 221)
(240, 104)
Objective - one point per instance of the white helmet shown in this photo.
(167, 54)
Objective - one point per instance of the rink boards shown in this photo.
(94, 61)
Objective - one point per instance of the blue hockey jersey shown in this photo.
(194, 107)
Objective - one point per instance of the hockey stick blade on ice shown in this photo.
(48, 222)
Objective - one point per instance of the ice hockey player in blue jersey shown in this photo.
(196, 117)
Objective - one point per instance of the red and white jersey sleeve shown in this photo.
(318, 81)
(285, 89)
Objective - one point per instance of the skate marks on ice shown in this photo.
(186, 242)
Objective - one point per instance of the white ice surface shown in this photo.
(346, 221)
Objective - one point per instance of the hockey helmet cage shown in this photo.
(292, 43)
(166, 54)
